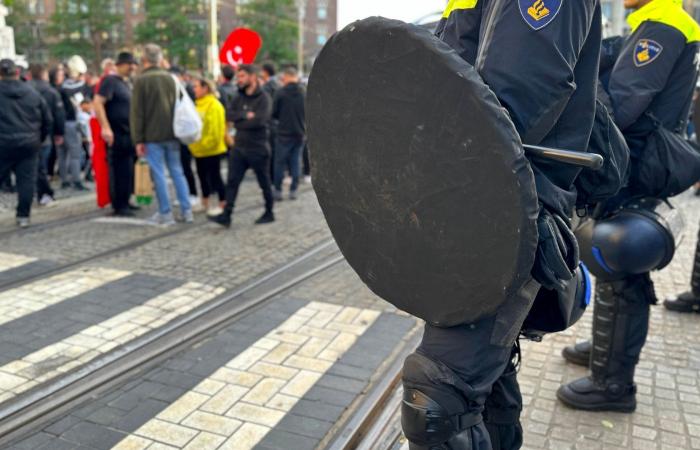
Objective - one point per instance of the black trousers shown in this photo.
(305, 160)
(186, 160)
(43, 187)
(121, 158)
(21, 162)
(209, 173)
(239, 162)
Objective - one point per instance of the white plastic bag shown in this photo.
(187, 125)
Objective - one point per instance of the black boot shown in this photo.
(620, 326)
(579, 354)
(268, 217)
(223, 219)
(689, 302)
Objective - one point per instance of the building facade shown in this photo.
(320, 21)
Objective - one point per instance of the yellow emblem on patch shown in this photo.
(538, 10)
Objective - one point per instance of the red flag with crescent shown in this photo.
(240, 47)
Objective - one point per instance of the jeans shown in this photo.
(239, 163)
(21, 162)
(69, 154)
(158, 155)
(43, 187)
(287, 154)
(121, 157)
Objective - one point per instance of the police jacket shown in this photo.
(55, 104)
(25, 120)
(656, 71)
(541, 59)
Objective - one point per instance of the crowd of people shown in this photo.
(52, 119)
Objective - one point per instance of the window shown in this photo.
(322, 12)
(321, 39)
(135, 6)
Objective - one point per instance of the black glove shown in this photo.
(557, 255)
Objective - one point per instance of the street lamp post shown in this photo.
(214, 65)
(301, 6)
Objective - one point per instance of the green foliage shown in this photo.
(83, 27)
(170, 24)
(276, 21)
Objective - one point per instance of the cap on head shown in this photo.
(7, 68)
(76, 66)
(125, 58)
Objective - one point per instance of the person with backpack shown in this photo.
(151, 120)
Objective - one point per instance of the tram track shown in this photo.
(113, 251)
(48, 401)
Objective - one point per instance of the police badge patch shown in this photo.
(646, 51)
(539, 13)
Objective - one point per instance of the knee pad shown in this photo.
(640, 238)
(434, 415)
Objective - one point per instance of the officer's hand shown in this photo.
(557, 253)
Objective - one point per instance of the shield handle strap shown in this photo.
(591, 161)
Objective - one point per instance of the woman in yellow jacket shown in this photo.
(208, 150)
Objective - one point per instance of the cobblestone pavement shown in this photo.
(284, 376)
(8, 201)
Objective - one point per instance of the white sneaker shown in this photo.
(23, 222)
(47, 201)
(215, 211)
(307, 179)
(188, 217)
(162, 220)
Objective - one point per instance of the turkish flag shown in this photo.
(241, 47)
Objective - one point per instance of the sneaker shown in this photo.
(47, 201)
(134, 207)
(23, 222)
(188, 216)
(307, 179)
(78, 186)
(65, 185)
(195, 201)
(277, 195)
(215, 211)
(162, 220)
(293, 195)
(222, 219)
(268, 217)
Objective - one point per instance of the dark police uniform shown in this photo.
(540, 57)
(655, 75)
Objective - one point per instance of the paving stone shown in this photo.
(277, 439)
(92, 435)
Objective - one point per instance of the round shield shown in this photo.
(419, 172)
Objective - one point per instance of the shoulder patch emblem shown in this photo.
(539, 13)
(646, 51)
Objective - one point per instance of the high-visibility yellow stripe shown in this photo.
(459, 4)
(668, 12)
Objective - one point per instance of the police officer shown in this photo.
(540, 57)
(652, 81)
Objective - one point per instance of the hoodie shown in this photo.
(289, 112)
(73, 92)
(252, 134)
(25, 120)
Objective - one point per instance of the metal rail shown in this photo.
(48, 401)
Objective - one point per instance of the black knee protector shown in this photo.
(639, 238)
(434, 414)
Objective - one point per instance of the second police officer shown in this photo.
(651, 85)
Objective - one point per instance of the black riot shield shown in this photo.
(419, 172)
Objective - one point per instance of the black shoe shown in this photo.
(579, 354)
(123, 213)
(268, 217)
(134, 207)
(585, 394)
(65, 185)
(222, 219)
(687, 302)
(78, 186)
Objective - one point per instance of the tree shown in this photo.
(84, 27)
(170, 24)
(276, 21)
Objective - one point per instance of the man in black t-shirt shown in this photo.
(112, 106)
